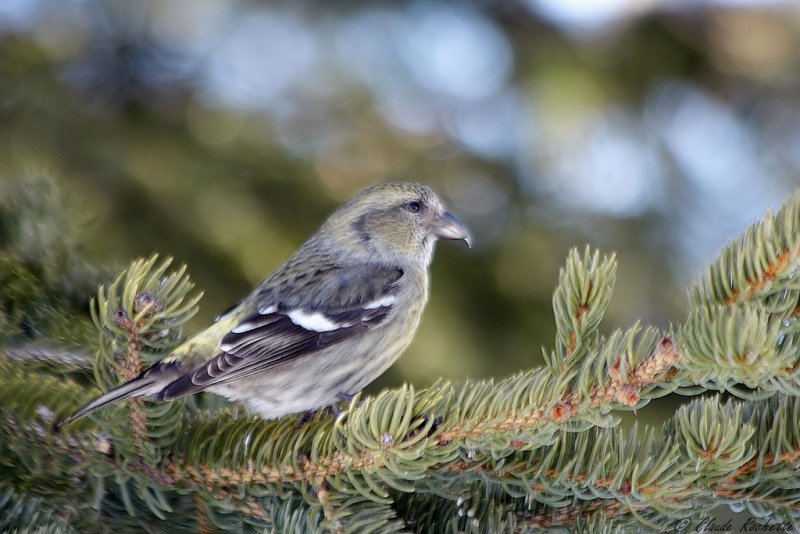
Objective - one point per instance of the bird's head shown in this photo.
(398, 221)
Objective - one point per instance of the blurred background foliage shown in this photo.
(222, 132)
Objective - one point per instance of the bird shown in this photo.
(330, 320)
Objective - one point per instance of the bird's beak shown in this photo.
(446, 226)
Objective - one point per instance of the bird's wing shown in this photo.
(287, 325)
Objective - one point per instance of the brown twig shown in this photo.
(771, 271)
(203, 524)
(621, 389)
(649, 371)
(583, 307)
(131, 368)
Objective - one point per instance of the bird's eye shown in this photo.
(413, 206)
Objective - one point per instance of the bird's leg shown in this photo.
(343, 397)
(333, 408)
(347, 397)
(303, 418)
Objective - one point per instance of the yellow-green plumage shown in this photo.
(326, 323)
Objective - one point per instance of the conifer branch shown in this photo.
(131, 367)
(539, 448)
(625, 390)
(203, 523)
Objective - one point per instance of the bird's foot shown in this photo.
(347, 397)
(304, 418)
(342, 397)
(335, 409)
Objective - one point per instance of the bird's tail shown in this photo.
(144, 384)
